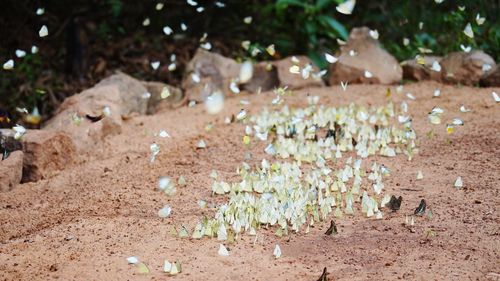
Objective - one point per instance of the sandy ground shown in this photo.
(82, 223)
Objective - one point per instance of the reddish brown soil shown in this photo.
(82, 223)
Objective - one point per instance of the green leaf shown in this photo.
(317, 59)
(283, 4)
(335, 25)
(320, 4)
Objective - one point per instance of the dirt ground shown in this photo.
(82, 223)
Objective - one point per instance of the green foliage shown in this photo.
(295, 27)
(442, 25)
(26, 72)
(311, 26)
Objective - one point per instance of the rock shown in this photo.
(131, 93)
(492, 78)
(46, 152)
(11, 171)
(298, 80)
(264, 78)
(412, 70)
(466, 68)
(157, 103)
(215, 73)
(119, 95)
(368, 56)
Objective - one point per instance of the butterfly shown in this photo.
(344, 85)
(346, 7)
(331, 59)
(323, 275)
(420, 210)
(94, 119)
(395, 203)
(332, 229)
(468, 31)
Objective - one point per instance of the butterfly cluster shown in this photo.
(318, 164)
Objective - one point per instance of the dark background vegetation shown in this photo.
(89, 40)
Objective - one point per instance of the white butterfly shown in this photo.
(167, 30)
(8, 65)
(201, 144)
(436, 66)
(465, 49)
(155, 65)
(495, 97)
(406, 41)
(344, 85)
(159, 6)
(463, 109)
(241, 115)
(459, 183)
(34, 49)
(374, 34)
(368, 74)
(346, 7)
(20, 53)
(420, 175)
(410, 96)
(486, 67)
(40, 11)
(163, 134)
(167, 266)
(223, 251)
(165, 93)
(234, 87)
(437, 110)
(437, 93)
(196, 78)
(20, 131)
(206, 46)
(247, 20)
(246, 72)
(468, 31)
(165, 211)
(480, 20)
(457, 122)
(306, 71)
(132, 260)
(172, 67)
(44, 31)
(331, 59)
(277, 251)
(183, 26)
(146, 22)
